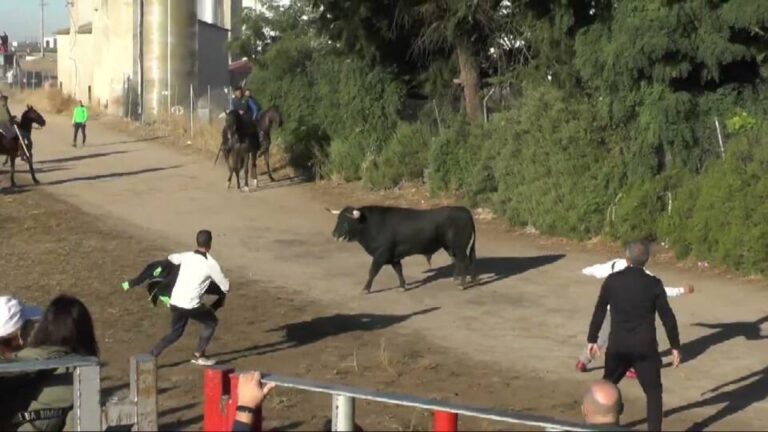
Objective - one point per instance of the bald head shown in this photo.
(602, 403)
(638, 253)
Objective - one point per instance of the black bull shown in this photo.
(390, 234)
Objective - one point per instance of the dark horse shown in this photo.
(258, 134)
(12, 148)
(237, 144)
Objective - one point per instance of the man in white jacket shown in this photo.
(197, 270)
(601, 271)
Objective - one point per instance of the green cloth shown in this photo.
(80, 116)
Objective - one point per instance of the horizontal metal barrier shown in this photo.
(220, 394)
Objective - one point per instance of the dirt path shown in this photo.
(528, 319)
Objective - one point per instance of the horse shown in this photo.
(259, 135)
(267, 120)
(12, 148)
(25, 127)
(238, 144)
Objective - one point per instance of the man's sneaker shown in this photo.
(631, 374)
(166, 300)
(126, 286)
(580, 366)
(203, 361)
(157, 272)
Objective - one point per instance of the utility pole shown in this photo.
(42, 28)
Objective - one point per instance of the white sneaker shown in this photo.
(203, 361)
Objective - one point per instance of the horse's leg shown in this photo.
(32, 169)
(229, 167)
(247, 169)
(13, 170)
(252, 158)
(266, 160)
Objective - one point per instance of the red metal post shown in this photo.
(445, 422)
(215, 386)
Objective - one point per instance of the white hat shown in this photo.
(13, 314)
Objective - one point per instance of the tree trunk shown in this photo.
(470, 80)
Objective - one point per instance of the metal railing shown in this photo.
(139, 409)
(220, 392)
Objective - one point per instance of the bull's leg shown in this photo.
(473, 265)
(460, 266)
(376, 266)
(398, 266)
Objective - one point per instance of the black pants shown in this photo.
(203, 314)
(79, 127)
(648, 368)
(147, 273)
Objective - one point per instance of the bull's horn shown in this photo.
(335, 212)
(356, 214)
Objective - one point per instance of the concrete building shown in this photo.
(132, 55)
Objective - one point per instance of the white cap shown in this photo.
(13, 314)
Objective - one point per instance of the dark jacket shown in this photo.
(47, 394)
(635, 298)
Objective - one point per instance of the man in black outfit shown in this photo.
(634, 298)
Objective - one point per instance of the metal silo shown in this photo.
(169, 54)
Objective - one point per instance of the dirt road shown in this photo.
(526, 321)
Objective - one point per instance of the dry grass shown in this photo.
(52, 100)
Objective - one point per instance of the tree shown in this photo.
(461, 26)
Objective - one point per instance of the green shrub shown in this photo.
(404, 157)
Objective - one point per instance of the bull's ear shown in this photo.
(356, 214)
(334, 212)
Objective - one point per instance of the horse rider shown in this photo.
(240, 103)
(7, 120)
(255, 108)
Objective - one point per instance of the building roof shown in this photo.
(86, 28)
(240, 66)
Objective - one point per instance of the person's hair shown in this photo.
(638, 253)
(238, 88)
(204, 239)
(595, 407)
(66, 323)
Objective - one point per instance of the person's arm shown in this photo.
(251, 393)
(74, 115)
(667, 317)
(598, 315)
(85, 115)
(600, 271)
(175, 258)
(217, 275)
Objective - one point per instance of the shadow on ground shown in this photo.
(302, 333)
(492, 269)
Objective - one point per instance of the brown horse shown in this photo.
(12, 148)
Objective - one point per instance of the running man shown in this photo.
(197, 269)
(601, 271)
(79, 118)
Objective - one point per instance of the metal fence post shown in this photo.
(445, 422)
(87, 402)
(343, 413)
(144, 391)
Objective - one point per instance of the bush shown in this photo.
(405, 156)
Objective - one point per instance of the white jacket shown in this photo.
(601, 271)
(195, 274)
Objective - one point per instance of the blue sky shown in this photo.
(21, 18)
